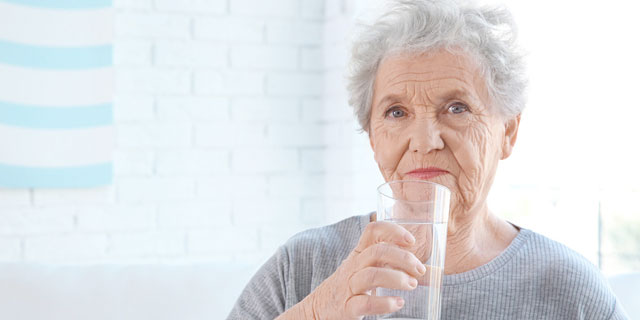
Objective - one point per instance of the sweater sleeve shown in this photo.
(265, 294)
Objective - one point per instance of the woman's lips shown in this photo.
(427, 173)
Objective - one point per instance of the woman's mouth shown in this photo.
(426, 173)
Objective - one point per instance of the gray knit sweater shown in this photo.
(534, 278)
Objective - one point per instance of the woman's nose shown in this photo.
(425, 137)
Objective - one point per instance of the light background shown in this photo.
(56, 93)
(233, 133)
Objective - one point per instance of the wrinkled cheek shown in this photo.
(475, 162)
(469, 183)
(466, 152)
(457, 203)
(388, 152)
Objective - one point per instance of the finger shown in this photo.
(380, 231)
(363, 304)
(433, 275)
(373, 277)
(382, 254)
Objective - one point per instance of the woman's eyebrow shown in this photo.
(389, 98)
(440, 97)
(459, 93)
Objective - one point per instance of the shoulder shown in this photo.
(555, 257)
(563, 275)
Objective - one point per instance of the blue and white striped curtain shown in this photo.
(56, 93)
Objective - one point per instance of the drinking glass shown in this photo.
(421, 207)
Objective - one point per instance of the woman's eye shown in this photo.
(458, 108)
(395, 112)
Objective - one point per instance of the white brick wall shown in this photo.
(151, 244)
(228, 83)
(116, 218)
(265, 110)
(153, 80)
(152, 24)
(14, 197)
(273, 8)
(32, 221)
(133, 108)
(194, 6)
(229, 29)
(195, 214)
(232, 134)
(304, 33)
(226, 140)
(191, 109)
(132, 52)
(156, 134)
(180, 53)
(66, 247)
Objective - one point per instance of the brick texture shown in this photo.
(222, 150)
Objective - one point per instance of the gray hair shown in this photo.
(487, 34)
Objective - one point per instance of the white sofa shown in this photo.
(123, 292)
(155, 292)
(627, 288)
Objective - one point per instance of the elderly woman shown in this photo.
(438, 86)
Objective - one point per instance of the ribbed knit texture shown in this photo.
(534, 278)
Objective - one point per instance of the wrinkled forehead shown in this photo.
(430, 77)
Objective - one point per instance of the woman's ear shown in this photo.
(510, 135)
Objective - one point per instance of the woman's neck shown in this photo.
(475, 238)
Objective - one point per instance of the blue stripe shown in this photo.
(71, 177)
(55, 57)
(64, 4)
(55, 117)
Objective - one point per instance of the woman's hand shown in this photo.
(378, 260)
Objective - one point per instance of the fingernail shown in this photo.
(409, 238)
(421, 269)
(400, 302)
(413, 282)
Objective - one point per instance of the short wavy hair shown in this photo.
(487, 34)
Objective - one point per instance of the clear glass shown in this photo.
(422, 207)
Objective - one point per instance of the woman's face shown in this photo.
(431, 119)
